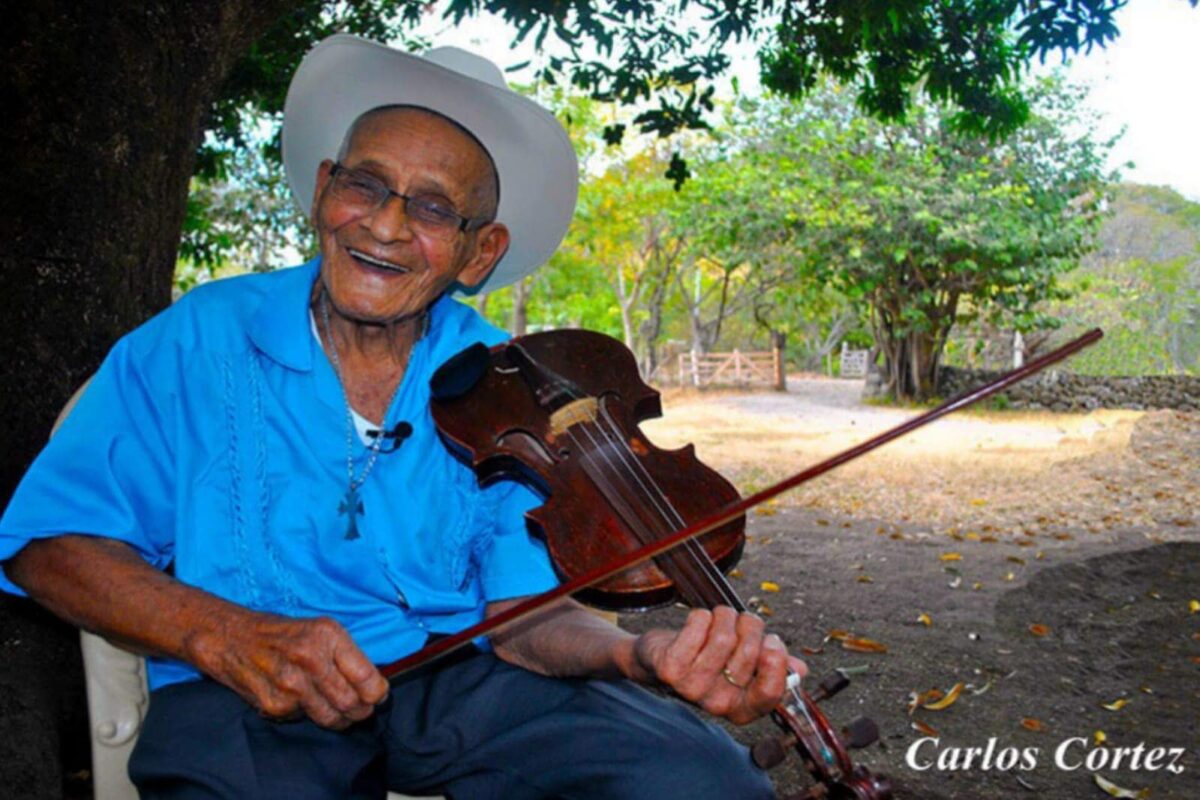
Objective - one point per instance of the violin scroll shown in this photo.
(822, 750)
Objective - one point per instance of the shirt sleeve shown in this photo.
(107, 471)
(514, 563)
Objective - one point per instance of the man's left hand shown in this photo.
(721, 661)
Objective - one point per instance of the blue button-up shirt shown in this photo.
(213, 439)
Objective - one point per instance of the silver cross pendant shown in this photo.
(352, 506)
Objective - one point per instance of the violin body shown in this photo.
(560, 411)
(584, 452)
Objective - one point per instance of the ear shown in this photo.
(491, 243)
(323, 175)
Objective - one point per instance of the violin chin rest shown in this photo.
(460, 373)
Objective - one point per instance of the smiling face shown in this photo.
(375, 267)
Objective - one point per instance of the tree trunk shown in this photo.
(520, 306)
(911, 363)
(106, 103)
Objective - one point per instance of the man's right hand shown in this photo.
(286, 667)
(282, 666)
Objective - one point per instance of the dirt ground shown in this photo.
(1055, 558)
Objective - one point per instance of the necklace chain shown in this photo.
(351, 504)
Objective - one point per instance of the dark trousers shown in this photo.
(477, 729)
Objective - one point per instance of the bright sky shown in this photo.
(1145, 81)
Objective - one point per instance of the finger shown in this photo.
(262, 695)
(362, 676)
(741, 664)
(681, 653)
(797, 666)
(770, 677)
(722, 640)
(341, 694)
(322, 712)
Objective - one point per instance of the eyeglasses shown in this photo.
(429, 215)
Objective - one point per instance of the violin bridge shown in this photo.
(585, 409)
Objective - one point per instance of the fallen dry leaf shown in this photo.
(925, 619)
(1116, 705)
(861, 645)
(837, 634)
(812, 651)
(735, 573)
(769, 586)
(865, 579)
(764, 511)
(946, 701)
(950, 557)
(1099, 738)
(978, 501)
(916, 700)
(1038, 629)
(917, 725)
(766, 611)
(1031, 724)
(1194, 606)
(1116, 791)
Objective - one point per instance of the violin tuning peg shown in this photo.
(860, 733)
(831, 685)
(769, 752)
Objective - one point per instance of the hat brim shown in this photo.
(345, 76)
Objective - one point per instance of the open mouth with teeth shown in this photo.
(376, 263)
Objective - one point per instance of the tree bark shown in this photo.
(520, 306)
(779, 349)
(106, 107)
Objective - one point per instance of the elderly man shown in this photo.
(252, 493)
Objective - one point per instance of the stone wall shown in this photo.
(1064, 391)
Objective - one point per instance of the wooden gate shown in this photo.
(730, 369)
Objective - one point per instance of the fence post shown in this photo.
(777, 361)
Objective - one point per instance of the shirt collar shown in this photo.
(279, 327)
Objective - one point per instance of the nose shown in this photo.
(389, 222)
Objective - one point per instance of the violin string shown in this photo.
(674, 520)
(668, 514)
(611, 433)
(597, 454)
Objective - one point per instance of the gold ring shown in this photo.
(729, 678)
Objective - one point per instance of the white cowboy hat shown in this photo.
(344, 76)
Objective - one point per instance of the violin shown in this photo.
(559, 411)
